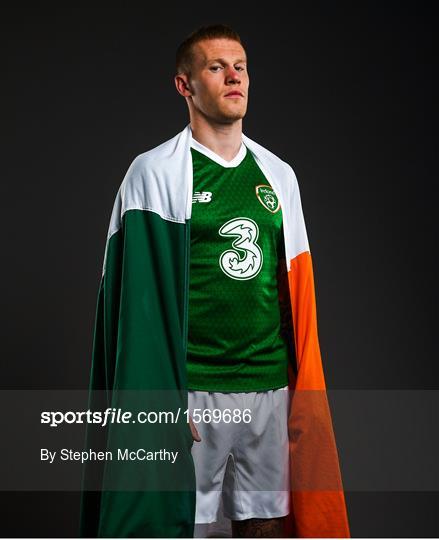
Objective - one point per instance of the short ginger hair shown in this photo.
(185, 56)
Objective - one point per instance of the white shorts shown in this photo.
(241, 469)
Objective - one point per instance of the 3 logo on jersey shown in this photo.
(244, 260)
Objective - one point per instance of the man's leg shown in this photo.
(258, 528)
(257, 501)
(210, 457)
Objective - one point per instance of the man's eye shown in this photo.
(215, 67)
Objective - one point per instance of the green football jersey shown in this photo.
(234, 335)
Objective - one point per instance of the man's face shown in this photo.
(219, 80)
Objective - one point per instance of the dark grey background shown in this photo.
(342, 91)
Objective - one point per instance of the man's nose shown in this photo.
(232, 75)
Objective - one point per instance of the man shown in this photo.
(207, 272)
(235, 347)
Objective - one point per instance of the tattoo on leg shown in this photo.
(258, 528)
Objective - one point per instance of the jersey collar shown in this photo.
(215, 157)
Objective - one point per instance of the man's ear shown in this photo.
(182, 84)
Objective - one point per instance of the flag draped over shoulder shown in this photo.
(139, 359)
(318, 506)
(138, 365)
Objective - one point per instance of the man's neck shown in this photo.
(223, 139)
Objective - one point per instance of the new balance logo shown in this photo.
(202, 196)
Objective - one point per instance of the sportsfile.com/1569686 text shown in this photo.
(118, 416)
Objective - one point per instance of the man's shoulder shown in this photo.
(269, 158)
(158, 166)
(155, 155)
(156, 181)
